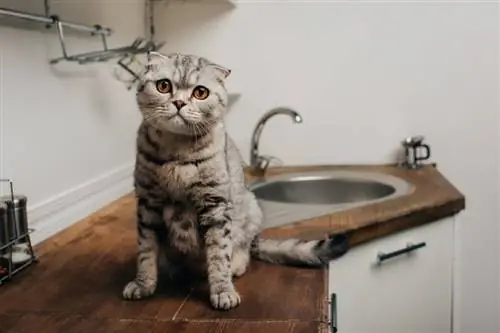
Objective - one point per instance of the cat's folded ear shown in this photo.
(222, 71)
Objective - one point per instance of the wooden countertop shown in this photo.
(434, 198)
(76, 287)
(77, 284)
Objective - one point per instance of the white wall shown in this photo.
(364, 75)
(66, 131)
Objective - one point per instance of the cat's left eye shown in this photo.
(201, 92)
(163, 86)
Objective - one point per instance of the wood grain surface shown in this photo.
(76, 286)
(57, 323)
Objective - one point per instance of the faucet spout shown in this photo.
(256, 160)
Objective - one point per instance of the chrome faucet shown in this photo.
(260, 162)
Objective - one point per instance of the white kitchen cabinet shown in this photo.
(409, 293)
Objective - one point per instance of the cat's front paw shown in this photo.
(225, 300)
(135, 290)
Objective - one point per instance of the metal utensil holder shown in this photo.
(11, 267)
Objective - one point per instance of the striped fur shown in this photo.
(194, 210)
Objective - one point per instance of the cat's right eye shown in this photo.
(163, 86)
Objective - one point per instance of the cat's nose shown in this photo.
(179, 104)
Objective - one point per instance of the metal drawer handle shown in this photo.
(333, 312)
(381, 256)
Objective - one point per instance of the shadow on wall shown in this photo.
(210, 14)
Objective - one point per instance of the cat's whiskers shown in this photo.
(192, 128)
(207, 125)
(201, 129)
(149, 117)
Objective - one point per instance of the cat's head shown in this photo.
(183, 94)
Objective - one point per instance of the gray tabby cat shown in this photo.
(193, 207)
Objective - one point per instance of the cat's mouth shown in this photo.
(178, 115)
(184, 120)
(177, 124)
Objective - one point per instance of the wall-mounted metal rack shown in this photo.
(126, 55)
(15, 240)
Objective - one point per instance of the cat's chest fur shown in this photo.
(175, 178)
(184, 161)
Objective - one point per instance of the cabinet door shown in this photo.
(408, 293)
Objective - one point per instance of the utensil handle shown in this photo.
(427, 154)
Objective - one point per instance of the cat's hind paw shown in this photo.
(135, 290)
(225, 300)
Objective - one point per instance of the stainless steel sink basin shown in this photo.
(322, 190)
(289, 198)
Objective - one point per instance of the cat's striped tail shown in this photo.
(314, 253)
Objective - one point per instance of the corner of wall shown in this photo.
(61, 211)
